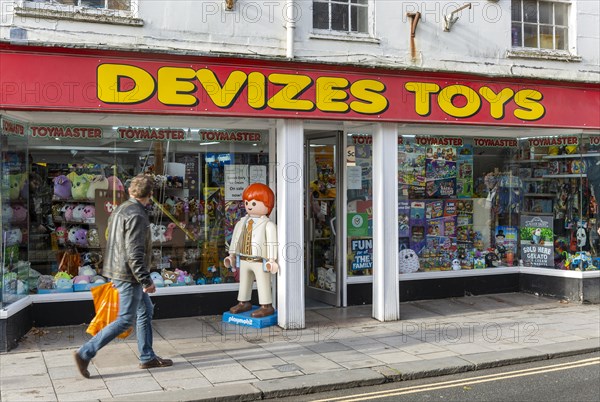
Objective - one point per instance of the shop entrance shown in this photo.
(323, 237)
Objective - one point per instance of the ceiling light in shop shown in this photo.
(210, 143)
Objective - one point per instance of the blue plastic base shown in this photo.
(246, 320)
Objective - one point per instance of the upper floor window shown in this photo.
(124, 5)
(540, 24)
(350, 16)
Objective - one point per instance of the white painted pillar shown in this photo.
(290, 223)
(386, 292)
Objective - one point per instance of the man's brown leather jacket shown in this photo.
(129, 245)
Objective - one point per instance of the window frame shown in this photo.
(540, 25)
(50, 6)
(333, 33)
(47, 10)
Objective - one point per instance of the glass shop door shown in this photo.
(322, 227)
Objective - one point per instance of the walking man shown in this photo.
(127, 261)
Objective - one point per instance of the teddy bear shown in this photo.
(93, 238)
(79, 186)
(61, 234)
(62, 187)
(81, 237)
(169, 233)
(115, 184)
(89, 214)
(97, 182)
(78, 212)
(19, 213)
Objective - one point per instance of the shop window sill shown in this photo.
(539, 54)
(80, 15)
(345, 37)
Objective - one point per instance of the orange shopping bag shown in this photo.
(106, 304)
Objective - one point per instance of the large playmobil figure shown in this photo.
(253, 248)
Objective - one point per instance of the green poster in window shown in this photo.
(358, 225)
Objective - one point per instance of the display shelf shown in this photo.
(535, 178)
(539, 213)
(570, 156)
(73, 200)
(540, 195)
(565, 176)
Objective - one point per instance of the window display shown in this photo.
(58, 193)
(474, 203)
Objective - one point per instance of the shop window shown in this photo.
(57, 229)
(477, 203)
(341, 16)
(359, 167)
(540, 24)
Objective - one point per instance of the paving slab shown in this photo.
(241, 392)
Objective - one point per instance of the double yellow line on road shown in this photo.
(466, 381)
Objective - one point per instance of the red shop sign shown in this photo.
(67, 79)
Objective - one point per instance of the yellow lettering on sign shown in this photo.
(224, 95)
(370, 100)
(447, 96)
(329, 94)
(176, 87)
(109, 78)
(257, 90)
(497, 100)
(422, 91)
(531, 109)
(287, 97)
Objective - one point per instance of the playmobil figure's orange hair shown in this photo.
(260, 192)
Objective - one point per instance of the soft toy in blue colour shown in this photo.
(63, 283)
(79, 187)
(157, 279)
(62, 187)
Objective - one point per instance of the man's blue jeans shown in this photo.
(133, 302)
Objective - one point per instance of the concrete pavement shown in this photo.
(339, 348)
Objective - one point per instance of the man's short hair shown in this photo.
(141, 186)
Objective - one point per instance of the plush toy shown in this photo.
(19, 213)
(89, 214)
(63, 283)
(169, 232)
(183, 277)
(157, 279)
(72, 234)
(92, 259)
(491, 260)
(408, 261)
(13, 237)
(62, 187)
(581, 236)
(169, 277)
(67, 210)
(93, 238)
(98, 279)
(115, 184)
(45, 282)
(87, 270)
(61, 234)
(97, 182)
(7, 212)
(81, 237)
(16, 182)
(79, 186)
(456, 264)
(82, 279)
(78, 212)
(62, 275)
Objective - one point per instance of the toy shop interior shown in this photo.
(61, 182)
(469, 202)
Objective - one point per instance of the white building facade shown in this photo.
(410, 146)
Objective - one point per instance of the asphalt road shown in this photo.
(575, 378)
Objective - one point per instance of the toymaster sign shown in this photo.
(83, 80)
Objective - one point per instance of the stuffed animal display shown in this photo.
(115, 184)
(408, 261)
(16, 182)
(79, 186)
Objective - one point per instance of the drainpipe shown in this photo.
(290, 26)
